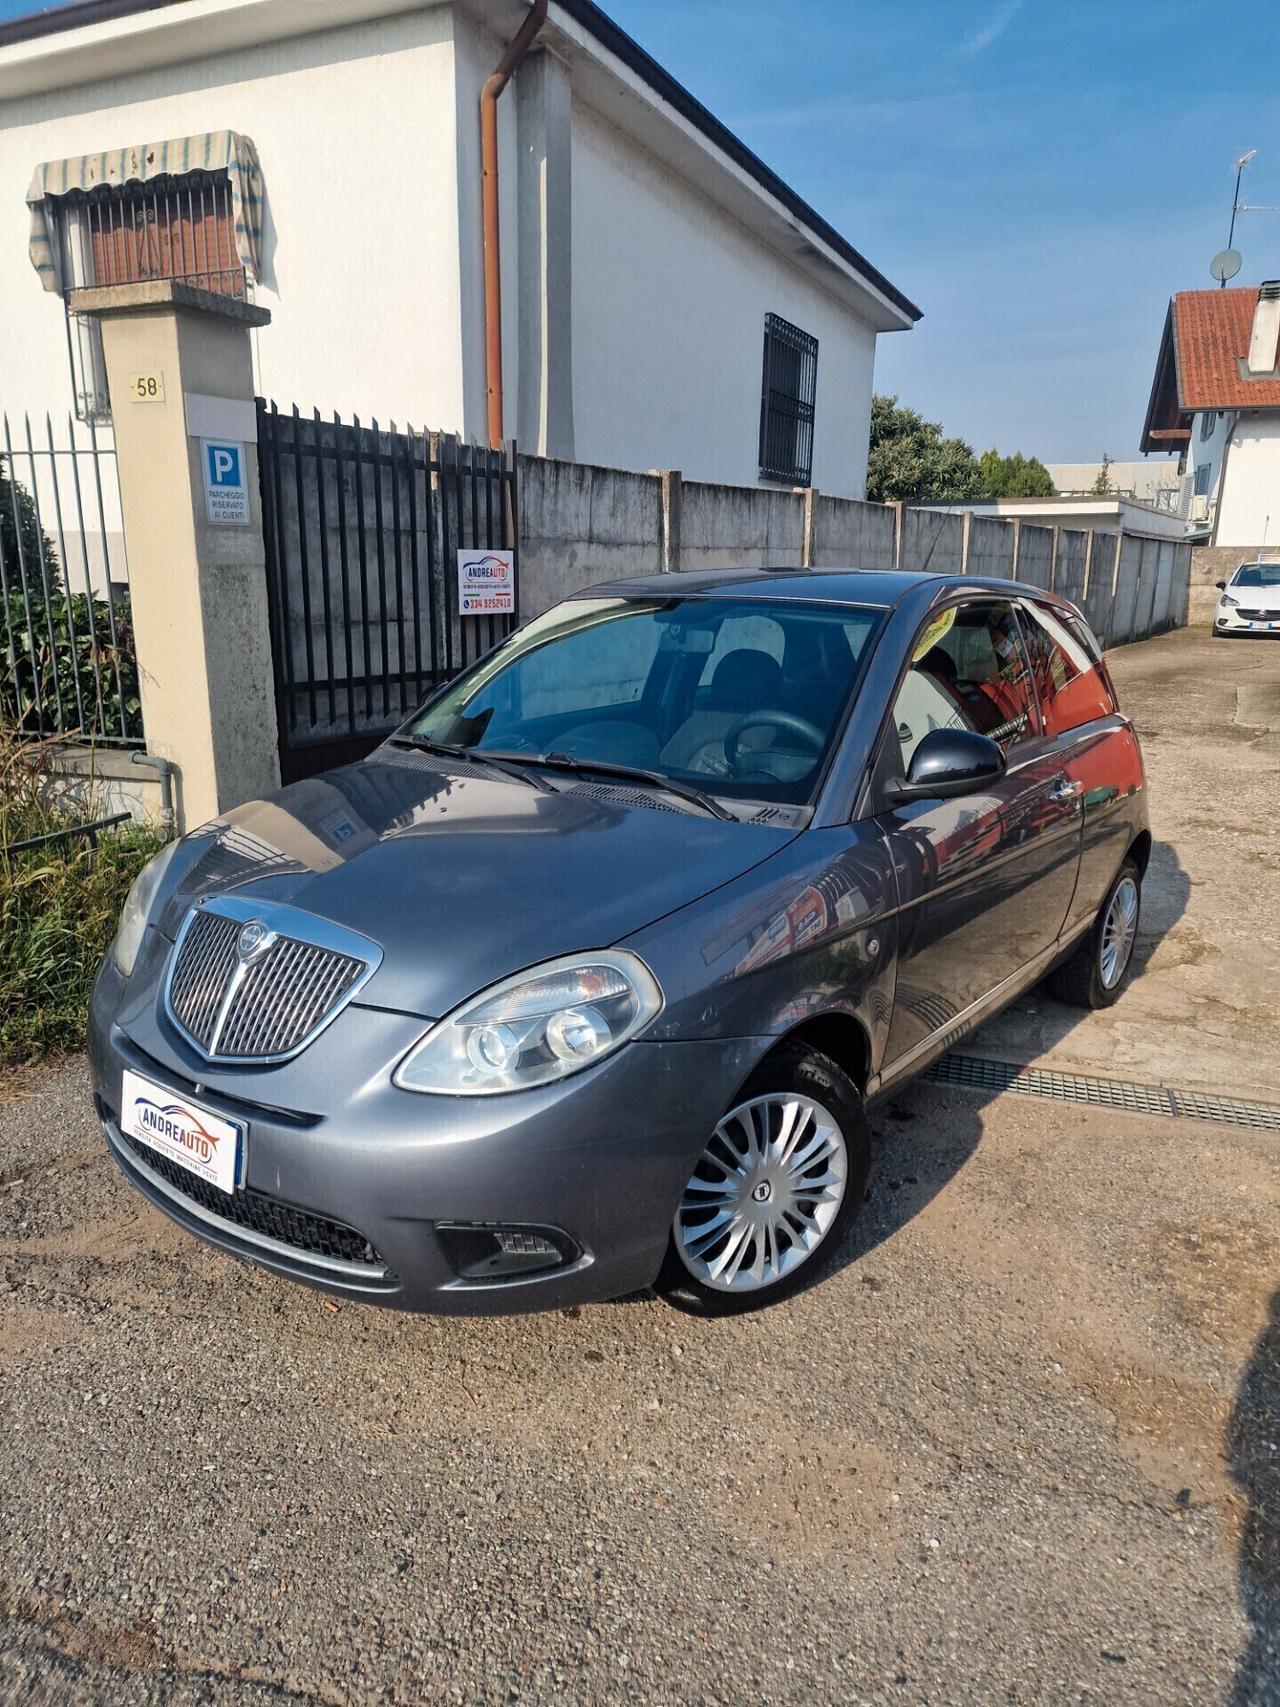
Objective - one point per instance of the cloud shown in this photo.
(992, 30)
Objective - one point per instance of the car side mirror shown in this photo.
(949, 762)
(1222, 585)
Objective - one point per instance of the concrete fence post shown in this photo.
(1015, 558)
(185, 426)
(809, 538)
(966, 535)
(899, 508)
(1053, 558)
(672, 493)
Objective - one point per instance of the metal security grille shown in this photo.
(67, 660)
(257, 1010)
(363, 527)
(313, 1235)
(787, 402)
(972, 1072)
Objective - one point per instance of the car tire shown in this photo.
(782, 1239)
(1092, 978)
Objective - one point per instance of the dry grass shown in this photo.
(58, 908)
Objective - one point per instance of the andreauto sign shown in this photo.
(486, 583)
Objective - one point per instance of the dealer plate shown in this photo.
(203, 1143)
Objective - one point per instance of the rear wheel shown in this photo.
(780, 1180)
(1099, 968)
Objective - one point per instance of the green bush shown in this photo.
(55, 648)
(58, 910)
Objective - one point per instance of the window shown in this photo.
(625, 681)
(1203, 471)
(1070, 678)
(787, 401)
(969, 671)
(170, 227)
(1208, 425)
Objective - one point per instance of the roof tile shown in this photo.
(1211, 330)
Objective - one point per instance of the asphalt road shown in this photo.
(1023, 1446)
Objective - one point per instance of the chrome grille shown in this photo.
(261, 1009)
(201, 973)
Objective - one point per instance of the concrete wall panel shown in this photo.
(932, 539)
(853, 535)
(990, 547)
(1069, 572)
(1035, 556)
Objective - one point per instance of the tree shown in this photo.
(909, 459)
(16, 503)
(1102, 487)
(1015, 476)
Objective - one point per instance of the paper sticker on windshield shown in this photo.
(941, 625)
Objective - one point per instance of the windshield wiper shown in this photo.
(633, 773)
(423, 744)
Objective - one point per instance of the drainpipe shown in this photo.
(537, 16)
(165, 768)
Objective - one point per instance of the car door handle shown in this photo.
(1065, 789)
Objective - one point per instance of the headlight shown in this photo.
(137, 909)
(535, 1028)
(1228, 600)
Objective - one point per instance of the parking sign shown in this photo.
(226, 494)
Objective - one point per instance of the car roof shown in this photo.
(880, 588)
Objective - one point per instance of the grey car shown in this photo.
(581, 983)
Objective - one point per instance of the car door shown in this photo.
(1095, 745)
(984, 880)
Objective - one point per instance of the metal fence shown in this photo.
(363, 525)
(65, 629)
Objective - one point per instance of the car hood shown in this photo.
(464, 879)
(1255, 598)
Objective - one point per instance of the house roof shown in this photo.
(1205, 341)
(77, 14)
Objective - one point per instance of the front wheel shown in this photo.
(1096, 972)
(780, 1180)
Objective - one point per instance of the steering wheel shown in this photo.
(783, 721)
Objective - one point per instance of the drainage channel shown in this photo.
(974, 1073)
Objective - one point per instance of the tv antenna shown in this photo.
(1227, 263)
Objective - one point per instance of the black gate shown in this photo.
(363, 529)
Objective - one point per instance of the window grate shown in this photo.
(787, 403)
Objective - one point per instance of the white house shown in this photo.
(1216, 400)
(1157, 484)
(665, 299)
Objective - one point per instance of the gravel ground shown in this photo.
(1022, 1446)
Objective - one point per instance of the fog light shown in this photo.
(481, 1252)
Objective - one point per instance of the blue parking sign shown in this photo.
(226, 493)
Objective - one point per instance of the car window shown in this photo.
(1069, 676)
(753, 633)
(968, 670)
(616, 681)
(1257, 575)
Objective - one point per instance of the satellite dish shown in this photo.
(1225, 265)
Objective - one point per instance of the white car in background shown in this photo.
(1250, 602)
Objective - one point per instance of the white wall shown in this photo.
(1249, 501)
(356, 130)
(669, 302)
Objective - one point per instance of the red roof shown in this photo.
(1206, 337)
(1211, 331)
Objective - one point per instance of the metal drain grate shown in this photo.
(973, 1073)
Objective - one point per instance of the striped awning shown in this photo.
(215, 151)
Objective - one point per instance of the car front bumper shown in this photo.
(600, 1159)
(1245, 623)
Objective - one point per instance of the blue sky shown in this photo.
(1039, 175)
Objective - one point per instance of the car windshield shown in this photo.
(1257, 575)
(739, 698)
